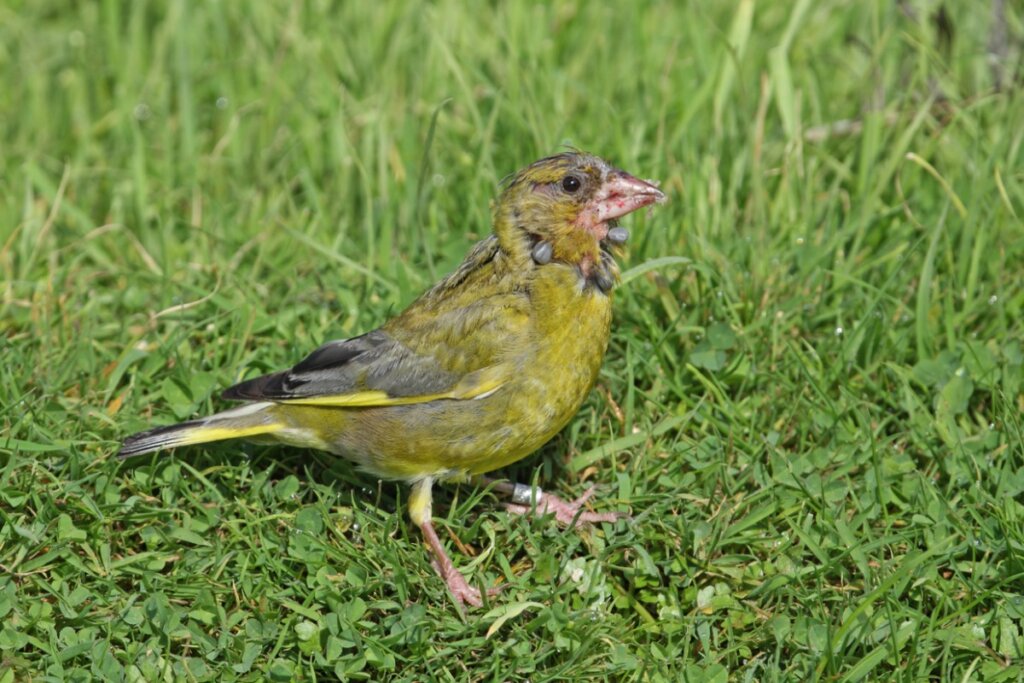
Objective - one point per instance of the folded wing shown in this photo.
(458, 341)
(371, 370)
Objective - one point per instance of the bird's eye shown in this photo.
(570, 183)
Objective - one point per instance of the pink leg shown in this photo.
(527, 500)
(419, 511)
(461, 591)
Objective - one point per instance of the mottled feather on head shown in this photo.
(542, 203)
(553, 168)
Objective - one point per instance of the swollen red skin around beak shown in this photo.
(620, 194)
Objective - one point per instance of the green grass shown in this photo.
(815, 421)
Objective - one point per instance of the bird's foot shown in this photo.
(567, 513)
(463, 593)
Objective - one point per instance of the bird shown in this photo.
(479, 372)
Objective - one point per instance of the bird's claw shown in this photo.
(567, 513)
(463, 593)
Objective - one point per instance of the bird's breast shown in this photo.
(571, 320)
(570, 324)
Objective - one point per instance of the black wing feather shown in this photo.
(335, 353)
(373, 361)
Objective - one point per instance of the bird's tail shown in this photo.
(254, 419)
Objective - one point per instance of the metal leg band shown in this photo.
(524, 495)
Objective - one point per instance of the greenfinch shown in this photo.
(477, 373)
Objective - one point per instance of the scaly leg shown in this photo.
(419, 511)
(530, 500)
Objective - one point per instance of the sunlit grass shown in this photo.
(812, 410)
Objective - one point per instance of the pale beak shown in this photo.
(619, 195)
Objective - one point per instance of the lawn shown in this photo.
(811, 406)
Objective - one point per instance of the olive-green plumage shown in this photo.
(482, 369)
(541, 352)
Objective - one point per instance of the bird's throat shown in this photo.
(579, 248)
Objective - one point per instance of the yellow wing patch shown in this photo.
(205, 434)
(477, 384)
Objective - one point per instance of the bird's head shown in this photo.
(568, 201)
